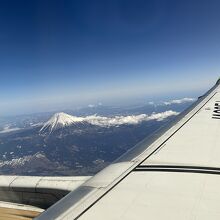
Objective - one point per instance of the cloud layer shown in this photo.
(179, 101)
(7, 129)
(131, 119)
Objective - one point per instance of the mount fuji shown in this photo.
(60, 120)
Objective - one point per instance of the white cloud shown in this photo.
(91, 106)
(179, 101)
(131, 119)
(151, 103)
(94, 105)
(7, 129)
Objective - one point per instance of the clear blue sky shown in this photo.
(60, 53)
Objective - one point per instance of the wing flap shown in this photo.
(160, 195)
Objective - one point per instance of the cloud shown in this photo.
(7, 129)
(131, 119)
(179, 101)
(150, 103)
(94, 105)
(91, 106)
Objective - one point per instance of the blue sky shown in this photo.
(61, 54)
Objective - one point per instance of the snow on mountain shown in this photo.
(60, 120)
(21, 161)
(37, 163)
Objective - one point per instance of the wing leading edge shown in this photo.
(174, 174)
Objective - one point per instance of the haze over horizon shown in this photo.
(60, 54)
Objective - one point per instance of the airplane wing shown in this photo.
(172, 175)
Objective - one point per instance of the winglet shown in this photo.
(218, 81)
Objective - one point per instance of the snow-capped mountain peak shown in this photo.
(60, 120)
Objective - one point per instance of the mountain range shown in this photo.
(74, 144)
